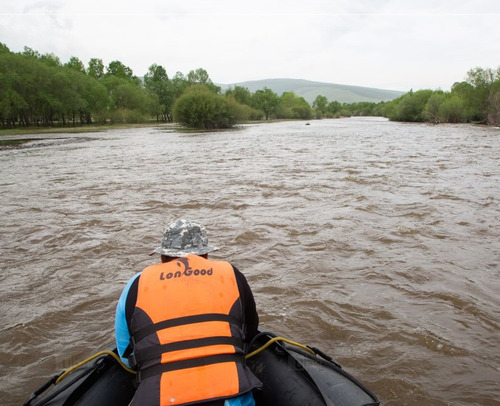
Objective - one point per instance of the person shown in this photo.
(183, 325)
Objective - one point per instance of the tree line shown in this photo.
(474, 100)
(40, 90)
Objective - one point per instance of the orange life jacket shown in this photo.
(187, 333)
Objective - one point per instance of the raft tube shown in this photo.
(290, 376)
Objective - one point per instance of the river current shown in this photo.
(377, 242)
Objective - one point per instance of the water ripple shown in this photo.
(375, 241)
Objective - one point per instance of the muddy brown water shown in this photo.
(377, 242)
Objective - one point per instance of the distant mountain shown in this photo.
(309, 90)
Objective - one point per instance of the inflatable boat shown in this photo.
(292, 374)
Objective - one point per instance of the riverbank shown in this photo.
(80, 129)
(22, 137)
(95, 128)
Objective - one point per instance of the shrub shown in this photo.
(198, 107)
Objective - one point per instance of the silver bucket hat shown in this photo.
(183, 237)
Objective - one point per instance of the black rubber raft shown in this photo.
(290, 375)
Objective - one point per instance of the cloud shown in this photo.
(377, 43)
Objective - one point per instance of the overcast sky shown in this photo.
(387, 44)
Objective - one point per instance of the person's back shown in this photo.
(187, 317)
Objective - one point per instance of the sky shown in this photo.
(385, 44)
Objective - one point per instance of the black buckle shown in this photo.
(132, 361)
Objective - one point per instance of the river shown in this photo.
(378, 242)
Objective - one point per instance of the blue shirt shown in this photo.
(122, 334)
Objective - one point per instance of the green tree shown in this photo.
(333, 109)
(409, 107)
(452, 110)
(4, 49)
(157, 83)
(483, 83)
(12, 101)
(129, 102)
(302, 110)
(51, 60)
(97, 98)
(37, 90)
(200, 107)
(119, 70)
(241, 112)
(494, 103)
(30, 53)
(291, 106)
(362, 109)
(241, 94)
(201, 77)
(320, 106)
(433, 106)
(76, 64)
(84, 99)
(95, 68)
(179, 85)
(17, 85)
(265, 100)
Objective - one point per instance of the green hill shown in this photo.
(309, 90)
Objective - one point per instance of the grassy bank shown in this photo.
(79, 129)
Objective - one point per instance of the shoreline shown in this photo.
(92, 128)
(78, 130)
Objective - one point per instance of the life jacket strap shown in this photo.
(179, 321)
(151, 352)
(188, 363)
